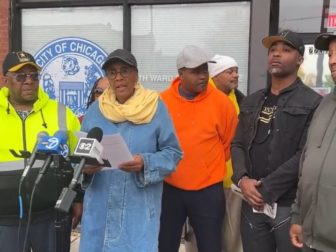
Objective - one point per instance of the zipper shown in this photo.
(24, 140)
(255, 124)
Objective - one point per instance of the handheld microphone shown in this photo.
(33, 156)
(87, 148)
(57, 144)
(90, 146)
(49, 146)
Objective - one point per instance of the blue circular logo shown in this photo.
(70, 66)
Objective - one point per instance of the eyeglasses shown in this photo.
(124, 72)
(22, 77)
(98, 91)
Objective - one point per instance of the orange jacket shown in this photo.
(205, 127)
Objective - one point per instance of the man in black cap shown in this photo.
(27, 112)
(266, 149)
(313, 213)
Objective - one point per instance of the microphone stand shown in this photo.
(69, 193)
(62, 169)
(62, 220)
(62, 224)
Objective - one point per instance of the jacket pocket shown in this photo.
(295, 119)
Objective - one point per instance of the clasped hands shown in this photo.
(249, 189)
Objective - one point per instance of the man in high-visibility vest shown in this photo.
(25, 111)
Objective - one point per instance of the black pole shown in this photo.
(15, 30)
(127, 26)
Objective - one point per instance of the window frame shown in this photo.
(261, 10)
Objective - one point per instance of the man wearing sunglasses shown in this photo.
(25, 112)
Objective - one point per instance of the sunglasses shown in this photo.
(22, 77)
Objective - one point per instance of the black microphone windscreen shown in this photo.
(95, 133)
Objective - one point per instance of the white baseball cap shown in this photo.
(222, 63)
(192, 56)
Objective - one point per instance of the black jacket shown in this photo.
(295, 108)
(239, 96)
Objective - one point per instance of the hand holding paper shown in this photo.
(135, 165)
(269, 210)
(115, 150)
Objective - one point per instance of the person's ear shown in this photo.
(180, 73)
(5, 80)
(300, 60)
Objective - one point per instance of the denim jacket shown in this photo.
(122, 209)
(295, 108)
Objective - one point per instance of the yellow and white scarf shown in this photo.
(138, 109)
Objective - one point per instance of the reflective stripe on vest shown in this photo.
(62, 122)
(18, 165)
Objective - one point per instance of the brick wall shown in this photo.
(4, 30)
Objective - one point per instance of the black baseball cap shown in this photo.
(323, 40)
(287, 36)
(16, 60)
(123, 55)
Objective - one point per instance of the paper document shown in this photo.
(115, 149)
(269, 210)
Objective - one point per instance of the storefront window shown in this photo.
(330, 17)
(160, 32)
(314, 70)
(70, 45)
(304, 16)
(101, 25)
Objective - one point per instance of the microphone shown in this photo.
(90, 146)
(33, 156)
(57, 144)
(87, 149)
(49, 146)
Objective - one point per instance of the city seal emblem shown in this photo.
(70, 66)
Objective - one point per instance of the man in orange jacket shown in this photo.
(205, 120)
(224, 76)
